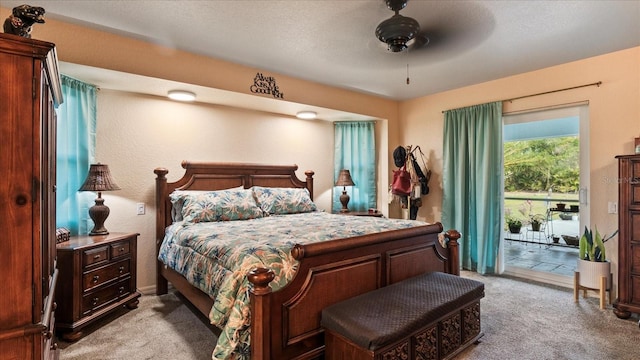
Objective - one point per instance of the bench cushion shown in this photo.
(393, 312)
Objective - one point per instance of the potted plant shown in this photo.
(592, 262)
(536, 221)
(514, 224)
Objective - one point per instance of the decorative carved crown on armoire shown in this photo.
(628, 300)
(29, 91)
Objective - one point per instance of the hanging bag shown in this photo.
(401, 182)
(422, 177)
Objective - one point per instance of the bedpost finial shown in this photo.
(161, 172)
(453, 235)
(297, 252)
(260, 279)
(449, 239)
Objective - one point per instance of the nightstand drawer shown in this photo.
(105, 274)
(95, 256)
(119, 249)
(95, 300)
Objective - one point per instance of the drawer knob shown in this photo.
(121, 268)
(95, 301)
(121, 290)
(96, 257)
(121, 249)
(21, 199)
(96, 278)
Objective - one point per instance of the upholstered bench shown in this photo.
(430, 316)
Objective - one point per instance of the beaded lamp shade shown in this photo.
(344, 180)
(99, 179)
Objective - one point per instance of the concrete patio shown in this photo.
(535, 250)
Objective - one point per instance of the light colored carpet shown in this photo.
(520, 320)
(523, 321)
(161, 328)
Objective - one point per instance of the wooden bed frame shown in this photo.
(286, 324)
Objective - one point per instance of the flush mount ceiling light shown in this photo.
(307, 115)
(181, 95)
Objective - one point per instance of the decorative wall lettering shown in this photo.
(266, 85)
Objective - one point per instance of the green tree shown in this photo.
(542, 164)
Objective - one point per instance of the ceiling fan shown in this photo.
(399, 32)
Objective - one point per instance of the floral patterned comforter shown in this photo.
(216, 256)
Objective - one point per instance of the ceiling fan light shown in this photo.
(396, 31)
(181, 95)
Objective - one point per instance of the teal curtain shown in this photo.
(472, 182)
(355, 150)
(76, 139)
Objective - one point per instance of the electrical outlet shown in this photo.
(613, 207)
(140, 208)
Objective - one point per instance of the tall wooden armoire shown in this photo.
(628, 300)
(29, 91)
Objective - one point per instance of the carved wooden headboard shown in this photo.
(219, 176)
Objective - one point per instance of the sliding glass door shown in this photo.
(546, 187)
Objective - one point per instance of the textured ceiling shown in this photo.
(333, 42)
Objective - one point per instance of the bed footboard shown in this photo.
(286, 324)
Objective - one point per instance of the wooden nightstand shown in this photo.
(97, 276)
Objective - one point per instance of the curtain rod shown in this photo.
(544, 93)
(554, 91)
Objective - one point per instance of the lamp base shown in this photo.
(99, 213)
(344, 200)
(95, 232)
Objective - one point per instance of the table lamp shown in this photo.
(99, 179)
(344, 180)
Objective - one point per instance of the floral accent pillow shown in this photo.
(223, 205)
(178, 197)
(279, 201)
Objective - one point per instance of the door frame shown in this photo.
(581, 110)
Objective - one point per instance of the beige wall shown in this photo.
(614, 116)
(137, 133)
